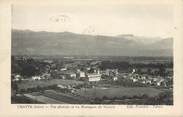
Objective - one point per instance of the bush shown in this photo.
(97, 100)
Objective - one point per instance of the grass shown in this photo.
(119, 92)
(45, 83)
(99, 92)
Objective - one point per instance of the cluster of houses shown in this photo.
(72, 71)
(96, 76)
(43, 76)
(112, 74)
(64, 74)
(18, 77)
(147, 79)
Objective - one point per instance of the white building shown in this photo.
(134, 80)
(115, 78)
(93, 77)
(111, 72)
(70, 75)
(160, 82)
(148, 82)
(63, 69)
(133, 71)
(61, 86)
(88, 68)
(17, 77)
(81, 74)
(36, 78)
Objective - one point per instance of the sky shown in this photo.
(111, 20)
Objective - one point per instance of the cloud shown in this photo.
(61, 18)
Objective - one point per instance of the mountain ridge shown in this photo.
(68, 43)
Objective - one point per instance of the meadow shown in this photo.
(112, 92)
(46, 83)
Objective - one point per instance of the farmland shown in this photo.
(119, 92)
(43, 99)
(45, 83)
(97, 92)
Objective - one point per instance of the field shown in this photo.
(45, 83)
(119, 92)
(99, 92)
(43, 99)
(86, 95)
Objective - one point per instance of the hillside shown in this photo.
(26, 42)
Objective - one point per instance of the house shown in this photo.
(155, 79)
(133, 71)
(62, 77)
(160, 82)
(45, 76)
(88, 68)
(80, 74)
(63, 69)
(111, 72)
(61, 86)
(70, 75)
(143, 77)
(36, 78)
(48, 61)
(148, 82)
(134, 80)
(115, 78)
(94, 77)
(17, 77)
(143, 81)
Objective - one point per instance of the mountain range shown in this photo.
(27, 42)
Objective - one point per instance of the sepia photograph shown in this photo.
(111, 54)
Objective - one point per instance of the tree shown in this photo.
(14, 86)
(162, 71)
(149, 71)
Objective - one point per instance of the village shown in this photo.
(73, 78)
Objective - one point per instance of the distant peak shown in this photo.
(125, 35)
(67, 32)
(19, 30)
